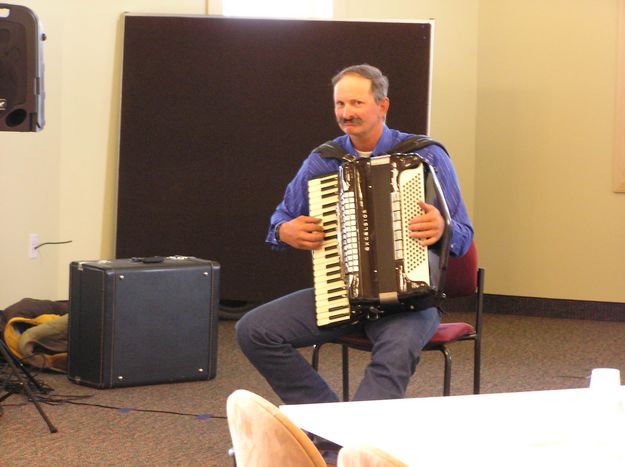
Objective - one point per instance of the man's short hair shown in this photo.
(379, 82)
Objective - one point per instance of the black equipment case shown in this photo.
(142, 321)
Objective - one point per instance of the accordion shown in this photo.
(368, 265)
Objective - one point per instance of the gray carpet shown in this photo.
(184, 424)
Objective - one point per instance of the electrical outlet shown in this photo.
(33, 241)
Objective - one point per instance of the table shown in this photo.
(550, 428)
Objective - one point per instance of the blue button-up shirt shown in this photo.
(295, 202)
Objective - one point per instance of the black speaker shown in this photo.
(133, 322)
(21, 70)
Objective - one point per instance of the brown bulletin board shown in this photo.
(217, 116)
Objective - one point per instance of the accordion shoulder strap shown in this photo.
(414, 143)
(333, 150)
(330, 150)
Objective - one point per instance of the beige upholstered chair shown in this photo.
(262, 436)
(366, 456)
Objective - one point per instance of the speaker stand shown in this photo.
(14, 363)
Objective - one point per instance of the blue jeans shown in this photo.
(270, 335)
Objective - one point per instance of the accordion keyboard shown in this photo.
(331, 302)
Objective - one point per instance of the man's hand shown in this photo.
(428, 228)
(303, 232)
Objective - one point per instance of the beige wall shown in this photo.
(549, 223)
(510, 97)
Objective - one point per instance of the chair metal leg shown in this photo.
(345, 358)
(345, 364)
(477, 349)
(315, 356)
(476, 366)
(447, 377)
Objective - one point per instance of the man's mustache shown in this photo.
(354, 120)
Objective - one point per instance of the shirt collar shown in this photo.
(384, 143)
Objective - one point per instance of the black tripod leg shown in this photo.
(18, 363)
(23, 384)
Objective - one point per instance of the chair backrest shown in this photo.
(461, 274)
(262, 436)
(366, 456)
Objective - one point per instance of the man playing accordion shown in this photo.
(271, 334)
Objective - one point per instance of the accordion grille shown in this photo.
(412, 190)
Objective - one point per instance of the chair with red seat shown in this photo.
(463, 278)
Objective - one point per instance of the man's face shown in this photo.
(356, 111)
